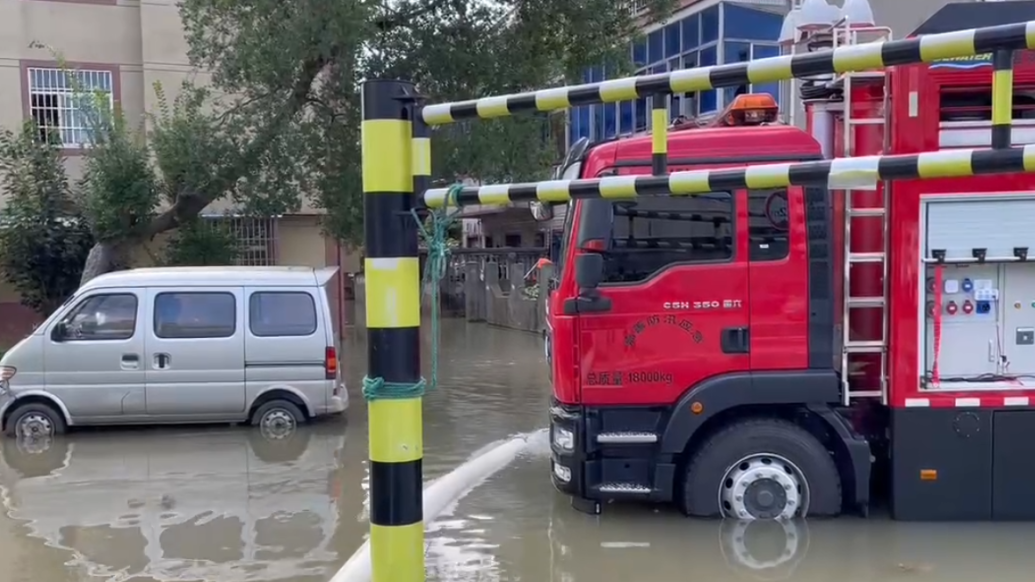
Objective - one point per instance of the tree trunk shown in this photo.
(102, 259)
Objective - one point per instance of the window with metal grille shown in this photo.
(60, 103)
(256, 240)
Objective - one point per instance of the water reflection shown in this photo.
(197, 504)
(228, 505)
(529, 532)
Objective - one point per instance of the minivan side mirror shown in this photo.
(589, 270)
(60, 332)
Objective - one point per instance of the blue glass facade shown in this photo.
(721, 34)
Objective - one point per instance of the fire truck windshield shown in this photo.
(570, 173)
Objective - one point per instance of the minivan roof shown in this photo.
(214, 277)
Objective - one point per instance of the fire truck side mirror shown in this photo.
(589, 270)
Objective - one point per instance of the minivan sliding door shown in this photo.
(195, 352)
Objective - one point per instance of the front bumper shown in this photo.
(567, 459)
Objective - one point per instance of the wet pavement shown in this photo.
(224, 504)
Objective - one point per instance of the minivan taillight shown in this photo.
(330, 363)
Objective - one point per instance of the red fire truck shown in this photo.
(771, 354)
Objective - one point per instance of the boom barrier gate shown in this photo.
(397, 173)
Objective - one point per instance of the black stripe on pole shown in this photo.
(396, 349)
(998, 161)
(400, 502)
(898, 168)
(1005, 36)
(385, 214)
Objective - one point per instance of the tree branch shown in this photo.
(190, 204)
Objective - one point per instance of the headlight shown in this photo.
(563, 473)
(563, 439)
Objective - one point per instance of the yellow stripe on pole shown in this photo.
(949, 45)
(393, 292)
(860, 57)
(553, 191)
(945, 164)
(1002, 97)
(399, 550)
(383, 141)
(659, 130)
(552, 99)
(618, 89)
(771, 69)
(767, 176)
(396, 430)
(620, 187)
(421, 156)
(693, 182)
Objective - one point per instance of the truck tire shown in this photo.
(762, 468)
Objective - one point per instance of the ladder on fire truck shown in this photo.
(873, 348)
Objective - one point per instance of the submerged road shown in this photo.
(223, 504)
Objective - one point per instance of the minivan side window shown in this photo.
(653, 232)
(195, 315)
(281, 314)
(103, 317)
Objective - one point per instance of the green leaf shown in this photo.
(44, 238)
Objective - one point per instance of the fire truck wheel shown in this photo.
(762, 468)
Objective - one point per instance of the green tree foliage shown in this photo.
(201, 242)
(297, 66)
(291, 128)
(43, 237)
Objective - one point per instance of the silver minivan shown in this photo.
(179, 345)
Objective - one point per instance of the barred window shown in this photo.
(60, 102)
(256, 239)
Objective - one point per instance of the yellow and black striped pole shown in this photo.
(421, 158)
(659, 134)
(393, 384)
(863, 172)
(1002, 98)
(861, 57)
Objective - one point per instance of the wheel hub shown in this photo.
(278, 424)
(765, 498)
(35, 426)
(763, 486)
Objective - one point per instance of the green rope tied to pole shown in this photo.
(436, 238)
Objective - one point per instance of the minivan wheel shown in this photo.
(35, 421)
(278, 419)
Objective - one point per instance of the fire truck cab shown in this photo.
(769, 354)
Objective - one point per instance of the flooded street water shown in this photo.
(222, 504)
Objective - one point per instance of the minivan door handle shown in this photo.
(162, 361)
(735, 340)
(130, 361)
